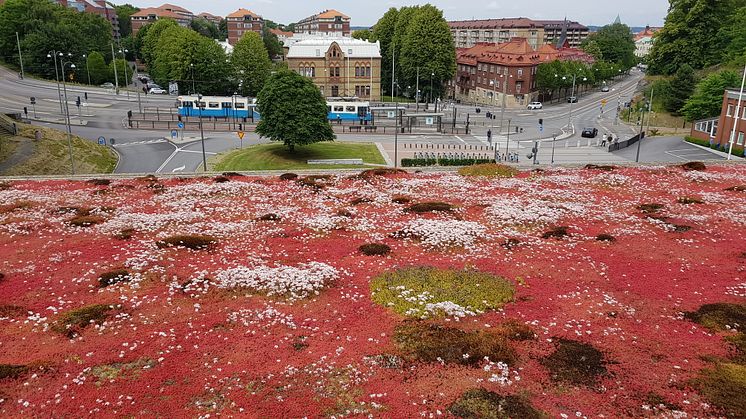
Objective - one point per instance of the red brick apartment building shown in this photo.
(328, 23)
(148, 15)
(242, 21)
(719, 130)
(486, 71)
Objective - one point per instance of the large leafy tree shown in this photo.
(428, 45)
(97, 67)
(363, 34)
(293, 111)
(679, 89)
(199, 63)
(733, 36)
(205, 28)
(690, 35)
(615, 43)
(124, 15)
(272, 44)
(151, 37)
(251, 63)
(383, 32)
(223, 29)
(707, 99)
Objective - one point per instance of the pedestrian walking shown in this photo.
(489, 136)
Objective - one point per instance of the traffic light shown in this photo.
(33, 100)
(541, 121)
(25, 110)
(240, 127)
(86, 96)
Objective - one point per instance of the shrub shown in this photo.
(86, 220)
(556, 233)
(738, 343)
(232, 174)
(270, 217)
(125, 234)
(725, 386)
(221, 179)
(20, 205)
(425, 342)
(687, 200)
(288, 176)
(430, 207)
(515, 330)
(12, 311)
(605, 168)
(605, 238)
(424, 292)
(489, 169)
(12, 371)
(680, 228)
(382, 172)
(575, 363)
(483, 404)
(650, 208)
(71, 323)
(694, 166)
(358, 201)
(738, 188)
(99, 182)
(719, 315)
(311, 183)
(375, 249)
(113, 277)
(148, 178)
(193, 241)
(4, 186)
(401, 199)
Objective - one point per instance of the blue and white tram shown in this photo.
(340, 110)
(218, 106)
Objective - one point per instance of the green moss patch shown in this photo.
(86, 220)
(72, 322)
(720, 316)
(483, 404)
(694, 166)
(425, 342)
(556, 233)
(375, 249)
(725, 386)
(110, 372)
(9, 371)
(113, 277)
(688, 200)
(489, 170)
(575, 362)
(650, 208)
(426, 292)
(11, 311)
(430, 207)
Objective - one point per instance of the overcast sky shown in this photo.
(366, 13)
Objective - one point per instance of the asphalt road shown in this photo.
(144, 151)
(667, 149)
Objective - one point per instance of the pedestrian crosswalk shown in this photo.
(136, 143)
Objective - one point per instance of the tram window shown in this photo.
(350, 109)
(227, 105)
(188, 104)
(339, 109)
(240, 105)
(199, 104)
(214, 105)
(328, 108)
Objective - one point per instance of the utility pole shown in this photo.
(393, 70)
(639, 141)
(20, 56)
(554, 138)
(114, 61)
(737, 116)
(505, 92)
(396, 137)
(417, 91)
(202, 133)
(650, 107)
(67, 117)
(53, 56)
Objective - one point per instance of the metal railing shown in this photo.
(7, 124)
(626, 143)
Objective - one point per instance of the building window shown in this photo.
(520, 72)
(740, 138)
(729, 112)
(335, 91)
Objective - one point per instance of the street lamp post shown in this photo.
(417, 91)
(432, 75)
(67, 114)
(505, 92)
(737, 116)
(126, 78)
(572, 97)
(88, 71)
(53, 56)
(202, 132)
(396, 135)
(554, 138)
(639, 139)
(114, 62)
(191, 68)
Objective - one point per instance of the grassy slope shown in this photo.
(51, 155)
(8, 146)
(277, 157)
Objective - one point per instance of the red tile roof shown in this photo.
(513, 53)
(242, 13)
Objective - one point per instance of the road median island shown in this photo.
(276, 156)
(50, 155)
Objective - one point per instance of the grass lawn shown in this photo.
(276, 156)
(51, 155)
(8, 146)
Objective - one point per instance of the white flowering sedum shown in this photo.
(291, 282)
(512, 210)
(440, 234)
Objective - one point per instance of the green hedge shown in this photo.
(443, 162)
(704, 143)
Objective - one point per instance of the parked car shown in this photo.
(152, 85)
(572, 99)
(535, 105)
(156, 91)
(589, 132)
(605, 89)
(108, 85)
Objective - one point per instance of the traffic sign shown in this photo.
(180, 125)
(603, 102)
(101, 140)
(240, 134)
(174, 134)
(33, 100)
(112, 141)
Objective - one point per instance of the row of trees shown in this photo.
(613, 44)
(199, 64)
(557, 75)
(419, 40)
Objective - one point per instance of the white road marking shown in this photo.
(459, 138)
(179, 169)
